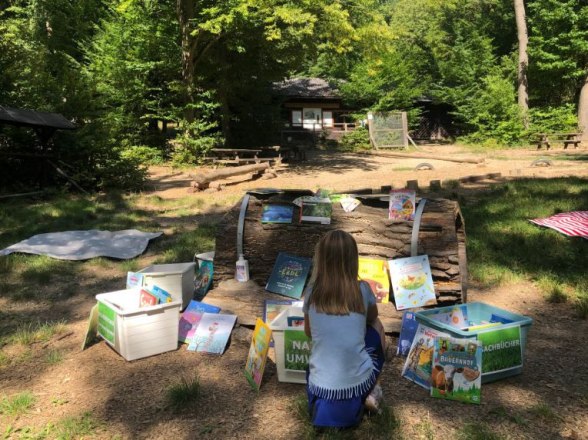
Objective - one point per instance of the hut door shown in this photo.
(312, 118)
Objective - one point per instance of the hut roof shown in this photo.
(307, 88)
(33, 118)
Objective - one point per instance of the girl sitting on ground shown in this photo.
(341, 318)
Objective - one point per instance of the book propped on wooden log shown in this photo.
(402, 204)
(277, 213)
(289, 275)
(319, 211)
(412, 282)
(374, 272)
(257, 356)
(213, 333)
(191, 318)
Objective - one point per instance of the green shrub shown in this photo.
(193, 142)
(552, 120)
(143, 154)
(358, 139)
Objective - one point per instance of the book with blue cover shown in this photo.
(191, 317)
(407, 332)
(277, 213)
(289, 275)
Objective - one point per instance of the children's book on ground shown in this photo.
(374, 272)
(258, 354)
(407, 332)
(203, 279)
(412, 282)
(316, 212)
(289, 275)
(402, 204)
(277, 213)
(213, 333)
(191, 317)
(419, 361)
(457, 369)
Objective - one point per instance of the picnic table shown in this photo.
(239, 156)
(565, 138)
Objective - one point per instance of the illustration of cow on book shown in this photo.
(443, 378)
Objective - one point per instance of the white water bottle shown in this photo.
(242, 273)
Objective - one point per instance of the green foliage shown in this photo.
(17, 404)
(184, 395)
(357, 140)
(553, 119)
(29, 333)
(478, 431)
(142, 154)
(193, 142)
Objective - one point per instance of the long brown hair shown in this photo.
(334, 275)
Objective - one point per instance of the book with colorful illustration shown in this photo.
(162, 295)
(203, 279)
(456, 317)
(257, 356)
(402, 204)
(407, 332)
(146, 298)
(296, 350)
(316, 212)
(412, 282)
(191, 317)
(457, 369)
(277, 213)
(418, 365)
(273, 307)
(295, 321)
(289, 275)
(213, 333)
(134, 279)
(375, 273)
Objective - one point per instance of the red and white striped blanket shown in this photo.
(574, 224)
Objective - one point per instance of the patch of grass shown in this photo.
(503, 243)
(425, 429)
(581, 305)
(17, 404)
(403, 169)
(27, 334)
(182, 246)
(75, 427)
(554, 292)
(4, 360)
(493, 275)
(503, 413)
(477, 431)
(41, 269)
(382, 426)
(132, 265)
(185, 394)
(54, 357)
(545, 412)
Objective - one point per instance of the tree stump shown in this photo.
(441, 236)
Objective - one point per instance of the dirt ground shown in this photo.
(548, 401)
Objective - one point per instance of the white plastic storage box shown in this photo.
(279, 325)
(137, 332)
(504, 340)
(177, 279)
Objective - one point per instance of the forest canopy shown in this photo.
(148, 81)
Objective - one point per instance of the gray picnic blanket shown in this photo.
(82, 245)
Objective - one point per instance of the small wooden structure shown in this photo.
(546, 139)
(441, 236)
(388, 130)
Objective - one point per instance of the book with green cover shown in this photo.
(289, 275)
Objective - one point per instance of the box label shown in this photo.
(502, 349)
(106, 322)
(296, 350)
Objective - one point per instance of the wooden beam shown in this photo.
(420, 156)
(203, 181)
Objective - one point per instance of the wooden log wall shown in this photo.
(441, 236)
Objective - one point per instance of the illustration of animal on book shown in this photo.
(213, 333)
(457, 367)
(289, 275)
(402, 204)
(418, 365)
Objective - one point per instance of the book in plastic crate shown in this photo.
(136, 332)
(175, 278)
(503, 335)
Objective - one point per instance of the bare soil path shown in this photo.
(548, 401)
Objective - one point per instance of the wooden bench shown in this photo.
(546, 139)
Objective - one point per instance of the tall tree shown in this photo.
(523, 61)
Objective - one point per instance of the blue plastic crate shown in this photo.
(478, 312)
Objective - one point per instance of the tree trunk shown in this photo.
(440, 235)
(186, 12)
(523, 38)
(583, 111)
